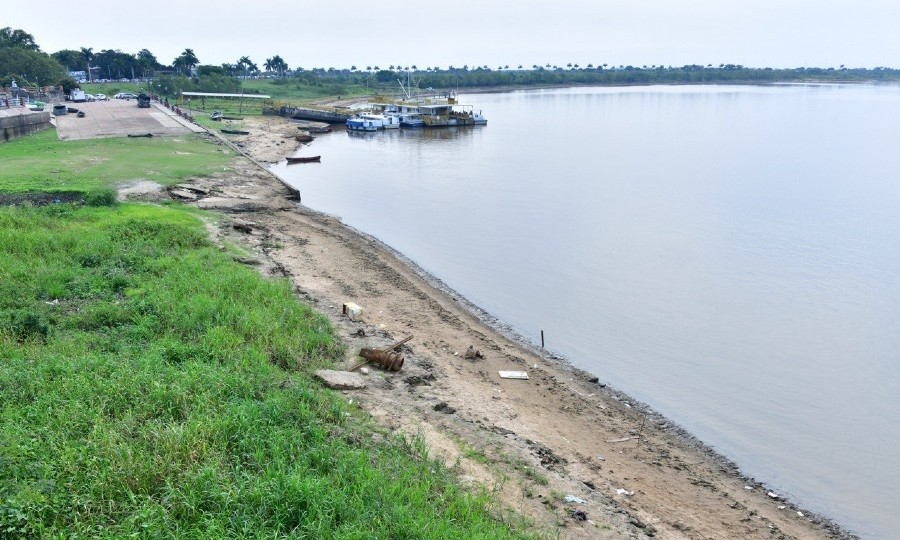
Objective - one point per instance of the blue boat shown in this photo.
(361, 124)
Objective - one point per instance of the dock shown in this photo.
(330, 116)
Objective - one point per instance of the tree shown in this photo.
(147, 61)
(186, 60)
(17, 38)
(116, 64)
(88, 54)
(69, 58)
(247, 65)
(28, 66)
(276, 63)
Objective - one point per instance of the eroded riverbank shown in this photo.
(533, 442)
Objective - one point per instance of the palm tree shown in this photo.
(88, 54)
(276, 63)
(247, 65)
(186, 59)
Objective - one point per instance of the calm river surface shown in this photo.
(729, 255)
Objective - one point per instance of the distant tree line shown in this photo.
(572, 74)
(22, 59)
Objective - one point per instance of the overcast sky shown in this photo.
(341, 33)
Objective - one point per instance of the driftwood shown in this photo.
(386, 357)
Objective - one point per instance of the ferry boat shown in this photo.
(451, 114)
(427, 112)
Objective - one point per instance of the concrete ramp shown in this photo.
(120, 118)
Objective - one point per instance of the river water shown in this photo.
(729, 255)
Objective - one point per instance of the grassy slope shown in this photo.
(148, 387)
(151, 387)
(41, 163)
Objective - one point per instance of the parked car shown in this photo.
(101, 97)
(124, 95)
(90, 97)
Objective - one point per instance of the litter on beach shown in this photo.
(352, 311)
(623, 439)
(514, 375)
(622, 491)
(574, 499)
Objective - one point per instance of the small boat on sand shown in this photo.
(216, 116)
(304, 138)
(305, 159)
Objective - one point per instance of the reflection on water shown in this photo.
(427, 134)
(725, 254)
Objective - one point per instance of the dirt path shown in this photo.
(630, 472)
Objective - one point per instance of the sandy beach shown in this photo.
(572, 456)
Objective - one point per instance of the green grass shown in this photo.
(301, 91)
(150, 387)
(42, 163)
(112, 88)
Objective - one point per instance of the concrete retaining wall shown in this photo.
(15, 123)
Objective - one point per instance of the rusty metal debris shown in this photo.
(387, 357)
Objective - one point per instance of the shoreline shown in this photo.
(498, 434)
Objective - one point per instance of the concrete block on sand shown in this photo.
(341, 380)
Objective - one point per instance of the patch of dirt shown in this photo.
(144, 190)
(271, 138)
(532, 442)
(40, 199)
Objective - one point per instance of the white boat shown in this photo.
(411, 120)
(406, 115)
(428, 112)
(361, 124)
(382, 121)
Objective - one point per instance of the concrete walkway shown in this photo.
(120, 118)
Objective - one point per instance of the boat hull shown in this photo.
(309, 159)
